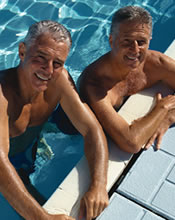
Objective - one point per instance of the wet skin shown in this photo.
(127, 69)
(40, 68)
(28, 95)
(129, 45)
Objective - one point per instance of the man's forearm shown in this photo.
(16, 194)
(96, 151)
(145, 127)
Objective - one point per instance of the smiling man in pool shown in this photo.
(128, 68)
(28, 95)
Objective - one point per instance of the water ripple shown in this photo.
(3, 4)
(87, 20)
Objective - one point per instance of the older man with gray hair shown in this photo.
(128, 68)
(28, 95)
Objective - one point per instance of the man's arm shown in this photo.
(158, 135)
(164, 70)
(132, 137)
(11, 186)
(96, 199)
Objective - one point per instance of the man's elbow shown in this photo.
(131, 146)
(135, 148)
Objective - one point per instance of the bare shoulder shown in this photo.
(66, 81)
(158, 59)
(7, 82)
(98, 67)
(91, 81)
(6, 75)
(159, 66)
(65, 85)
(3, 100)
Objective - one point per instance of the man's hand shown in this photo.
(93, 203)
(165, 124)
(158, 135)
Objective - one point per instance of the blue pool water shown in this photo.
(89, 24)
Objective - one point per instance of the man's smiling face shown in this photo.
(43, 61)
(130, 43)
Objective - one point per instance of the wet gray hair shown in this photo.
(55, 29)
(130, 13)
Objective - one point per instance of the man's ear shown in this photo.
(22, 51)
(110, 40)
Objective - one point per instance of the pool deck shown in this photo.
(147, 191)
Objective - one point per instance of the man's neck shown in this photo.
(27, 94)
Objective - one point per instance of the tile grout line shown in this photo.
(141, 205)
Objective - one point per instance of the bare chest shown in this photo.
(117, 94)
(132, 84)
(28, 115)
(135, 82)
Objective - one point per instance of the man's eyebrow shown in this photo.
(46, 54)
(59, 61)
(126, 35)
(42, 53)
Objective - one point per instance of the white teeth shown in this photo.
(41, 77)
(132, 58)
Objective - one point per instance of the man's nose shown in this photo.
(49, 67)
(135, 46)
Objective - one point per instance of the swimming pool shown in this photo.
(89, 23)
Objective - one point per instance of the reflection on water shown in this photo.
(87, 20)
(57, 155)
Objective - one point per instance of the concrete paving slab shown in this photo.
(164, 200)
(120, 208)
(168, 142)
(151, 180)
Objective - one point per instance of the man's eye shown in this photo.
(141, 42)
(127, 42)
(57, 65)
(40, 59)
